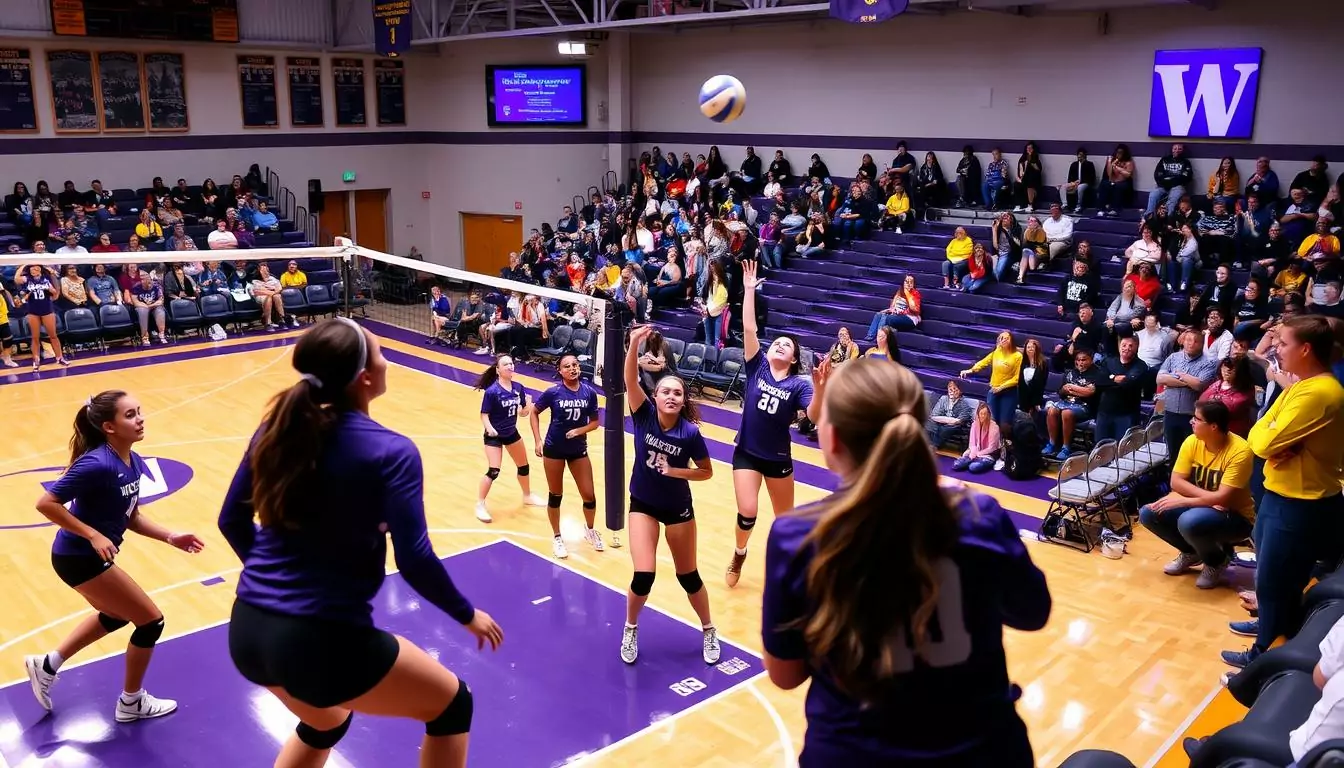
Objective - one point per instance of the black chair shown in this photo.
(691, 361)
(558, 344)
(117, 323)
(295, 302)
(677, 347)
(1263, 733)
(183, 316)
(245, 312)
(1300, 654)
(216, 309)
(581, 345)
(1329, 588)
(81, 327)
(320, 301)
(726, 375)
(357, 300)
(1327, 754)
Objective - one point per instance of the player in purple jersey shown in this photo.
(102, 486)
(39, 288)
(502, 402)
(891, 595)
(667, 442)
(573, 407)
(329, 486)
(773, 395)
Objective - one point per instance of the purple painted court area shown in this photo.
(556, 689)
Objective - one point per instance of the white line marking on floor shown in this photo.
(541, 600)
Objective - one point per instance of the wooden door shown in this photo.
(487, 240)
(371, 219)
(334, 221)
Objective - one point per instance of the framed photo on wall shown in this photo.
(121, 92)
(74, 98)
(305, 92)
(166, 92)
(18, 106)
(256, 85)
(352, 101)
(389, 78)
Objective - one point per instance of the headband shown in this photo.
(316, 383)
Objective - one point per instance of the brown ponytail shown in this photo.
(299, 420)
(89, 421)
(878, 539)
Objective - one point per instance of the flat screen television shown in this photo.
(543, 95)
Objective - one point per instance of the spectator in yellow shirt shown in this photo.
(1005, 372)
(897, 211)
(1321, 243)
(293, 277)
(958, 251)
(1210, 506)
(1301, 516)
(148, 230)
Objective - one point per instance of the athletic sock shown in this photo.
(740, 550)
(628, 625)
(131, 698)
(51, 663)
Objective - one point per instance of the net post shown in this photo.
(613, 426)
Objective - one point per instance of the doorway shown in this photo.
(488, 239)
(334, 221)
(360, 215)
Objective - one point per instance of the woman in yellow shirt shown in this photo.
(958, 251)
(148, 230)
(898, 208)
(716, 301)
(1005, 372)
(1300, 520)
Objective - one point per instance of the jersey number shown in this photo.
(573, 414)
(954, 647)
(512, 410)
(768, 403)
(656, 460)
(37, 294)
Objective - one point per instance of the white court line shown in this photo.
(541, 600)
(785, 740)
(662, 558)
(1182, 728)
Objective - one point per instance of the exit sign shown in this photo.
(348, 176)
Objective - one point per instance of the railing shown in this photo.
(289, 208)
(577, 204)
(611, 181)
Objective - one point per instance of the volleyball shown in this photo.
(722, 98)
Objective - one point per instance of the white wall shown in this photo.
(985, 76)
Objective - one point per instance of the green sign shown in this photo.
(347, 176)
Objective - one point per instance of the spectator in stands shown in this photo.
(1146, 285)
(72, 247)
(213, 279)
(980, 270)
(1125, 315)
(884, 346)
(997, 180)
(1058, 231)
(853, 217)
(1082, 177)
(1313, 182)
(74, 292)
(1155, 343)
(1221, 293)
(174, 242)
(148, 230)
(951, 414)
(1030, 175)
(1087, 332)
(1252, 311)
(968, 178)
(440, 311)
(1252, 230)
(1292, 280)
(818, 170)
(1225, 184)
(1005, 239)
(1120, 383)
(1184, 376)
(264, 220)
(104, 245)
(266, 291)
(669, 285)
(1299, 218)
(770, 248)
(1145, 249)
(897, 212)
(716, 301)
(958, 252)
(98, 202)
(222, 238)
(1218, 234)
(1320, 244)
(904, 313)
(1032, 380)
(1081, 287)
(983, 447)
(133, 245)
(930, 185)
(843, 350)
(1005, 369)
(780, 169)
(1116, 188)
(1263, 184)
(1035, 250)
(1173, 175)
(1076, 404)
(1330, 306)
(1300, 518)
(168, 214)
(1209, 507)
(812, 242)
(630, 293)
(177, 284)
(147, 298)
(102, 289)
(1183, 260)
(293, 277)
(1235, 389)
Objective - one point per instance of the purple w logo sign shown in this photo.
(1206, 94)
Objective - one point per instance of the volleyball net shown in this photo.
(461, 313)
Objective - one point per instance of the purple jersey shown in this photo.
(570, 409)
(676, 447)
(105, 491)
(369, 483)
(148, 295)
(956, 691)
(37, 295)
(503, 406)
(769, 408)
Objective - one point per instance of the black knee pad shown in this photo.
(553, 500)
(590, 504)
(525, 470)
(492, 473)
(642, 583)
(146, 635)
(323, 739)
(744, 522)
(691, 582)
(456, 719)
(110, 624)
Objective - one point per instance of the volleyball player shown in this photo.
(773, 395)
(502, 403)
(892, 595)
(39, 287)
(103, 482)
(573, 407)
(667, 442)
(328, 485)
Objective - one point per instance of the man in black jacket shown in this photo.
(1082, 177)
(1121, 385)
(1081, 287)
(968, 178)
(1174, 175)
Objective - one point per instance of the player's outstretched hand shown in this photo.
(187, 542)
(486, 630)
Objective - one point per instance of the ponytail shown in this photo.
(490, 375)
(878, 540)
(89, 420)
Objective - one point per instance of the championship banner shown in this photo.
(391, 27)
(867, 11)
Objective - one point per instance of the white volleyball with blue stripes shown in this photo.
(722, 98)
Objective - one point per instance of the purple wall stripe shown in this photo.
(679, 140)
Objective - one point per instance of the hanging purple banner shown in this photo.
(867, 11)
(391, 27)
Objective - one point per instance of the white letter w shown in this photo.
(1209, 90)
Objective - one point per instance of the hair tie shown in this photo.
(88, 401)
(312, 380)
